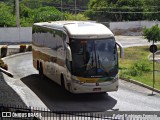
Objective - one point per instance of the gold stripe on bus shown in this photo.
(88, 80)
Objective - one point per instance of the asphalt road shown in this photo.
(129, 97)
(128, 41)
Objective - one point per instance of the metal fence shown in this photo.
(8, 112)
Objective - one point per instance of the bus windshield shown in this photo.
(94, 58)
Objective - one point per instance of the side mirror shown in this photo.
(69, 53)
(121, 49)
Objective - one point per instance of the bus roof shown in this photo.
(79, 29)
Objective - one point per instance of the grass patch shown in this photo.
(135, 65)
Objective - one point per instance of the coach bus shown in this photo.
(80, 56)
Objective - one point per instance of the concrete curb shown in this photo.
(141, 84)
(8, 57)
(18, 54)
(6, 72)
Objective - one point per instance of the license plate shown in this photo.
(96, 89)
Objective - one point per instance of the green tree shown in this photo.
(25, 11)
(97, 10)
(115, 10)
(6, 17)
(33, 4)
(47, 14)
(26, 16)
(152, 34)
(79, 16)
(131, 9)
(152, 8)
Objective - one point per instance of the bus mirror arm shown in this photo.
(121, 49)
(69, 53)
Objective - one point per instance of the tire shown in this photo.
(62, 82)
(37, 65)
(40, 69)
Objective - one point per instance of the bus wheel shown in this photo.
(62, 82)
(37, 65)
(40, 69)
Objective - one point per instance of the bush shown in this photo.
(79, 16)
(139, 67)
(3, 65)
(133, 71)
(143, 65)
(22, 48)
(47, 14)
(4, 51)
(29, 48)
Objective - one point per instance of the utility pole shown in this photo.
(61, 9)
(75, 7)
(153, 49)
(153, 69)
(17, 13)
(61, 5)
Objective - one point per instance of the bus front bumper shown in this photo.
(95, 87)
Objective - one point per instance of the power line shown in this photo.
(120, 12)
(127, 7)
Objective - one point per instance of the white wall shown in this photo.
(24, 34)
(14, 34)
(131, 28)
(133, 24)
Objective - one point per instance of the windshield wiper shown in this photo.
(98, 61)
(95, 56)
(92, 60)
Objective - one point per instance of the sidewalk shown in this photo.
(8, 96)
(11, 46)
(12, 49)
(157, 57)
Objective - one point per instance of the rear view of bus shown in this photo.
(90, 59)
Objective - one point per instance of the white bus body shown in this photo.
(80, 56)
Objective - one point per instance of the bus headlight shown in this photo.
(77, 81)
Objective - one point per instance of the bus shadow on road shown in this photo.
(56, 98)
